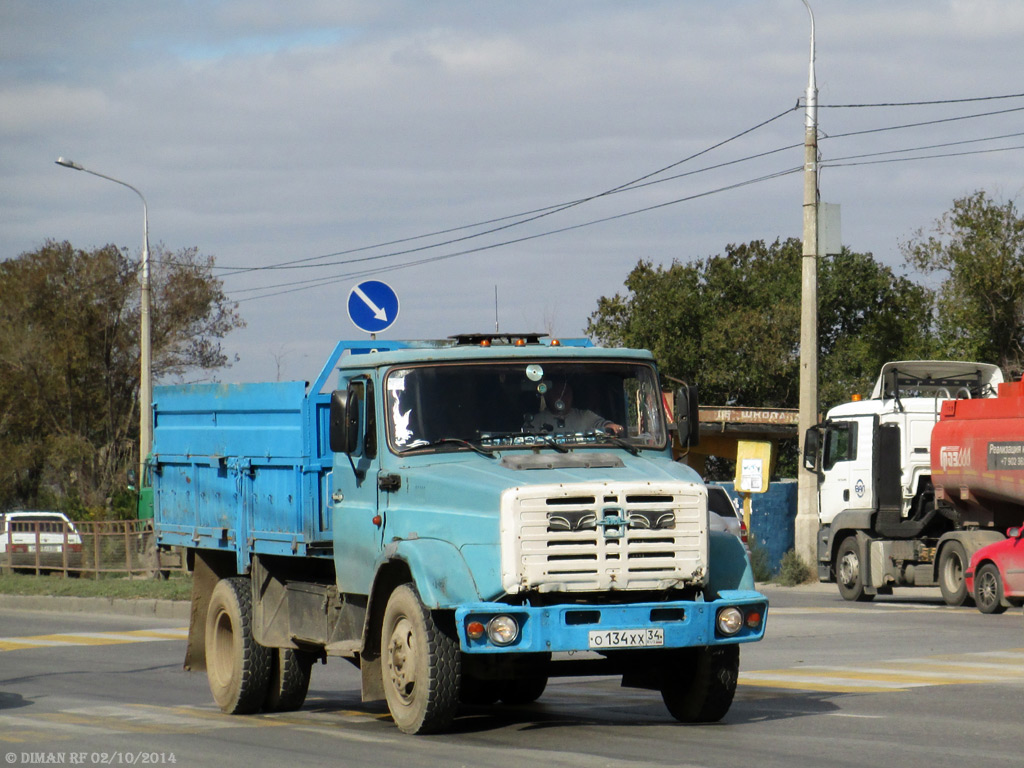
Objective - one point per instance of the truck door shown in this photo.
(846, 467)
(357, 537)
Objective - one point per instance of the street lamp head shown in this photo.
(68, 163)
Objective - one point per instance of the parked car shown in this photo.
(995, 575)
(55, 537)
(724, 514)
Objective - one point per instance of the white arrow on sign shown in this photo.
(378, 312)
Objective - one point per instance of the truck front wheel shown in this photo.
(701, 685)
(237, 667)
(523, 690)
(419, 665)
(952, 564)
(988, 589)
(849, 576)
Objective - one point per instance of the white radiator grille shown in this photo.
(600, 536)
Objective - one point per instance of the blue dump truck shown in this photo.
(461, 519)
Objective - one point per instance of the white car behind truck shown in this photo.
(880, 524)
(39, 540)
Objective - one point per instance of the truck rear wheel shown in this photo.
(988, 589)
(701, 686)
(849, 576)
(237, 667)
(288, 680)
(952, 564)
(419, 665)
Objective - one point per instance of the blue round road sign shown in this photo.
(372, 306)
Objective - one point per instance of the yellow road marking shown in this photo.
(895, 674)
(64, 639)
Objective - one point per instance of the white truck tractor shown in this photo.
(880, 524)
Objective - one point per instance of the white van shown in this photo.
(39, 540)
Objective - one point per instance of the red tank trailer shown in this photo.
(977, 457)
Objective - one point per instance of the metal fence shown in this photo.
(87, 549)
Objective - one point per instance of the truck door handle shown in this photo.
(389, 482)
(846, 495)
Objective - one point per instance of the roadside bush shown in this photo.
(794, 570)
(759, 563)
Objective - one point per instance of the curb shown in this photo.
(148, 608)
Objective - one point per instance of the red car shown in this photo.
(995, 575)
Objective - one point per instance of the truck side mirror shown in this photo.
(344, 421)
(1013, 533)
(687, 416)
(812, 444)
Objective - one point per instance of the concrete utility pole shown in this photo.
(145, 354)
(806, 532)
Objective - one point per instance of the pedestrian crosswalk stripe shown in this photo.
(895, 674)
(65, 639)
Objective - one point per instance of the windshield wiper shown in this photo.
(488, 452)
(615, 440)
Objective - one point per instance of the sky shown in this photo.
(308, 146)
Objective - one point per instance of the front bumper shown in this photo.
(560, 628)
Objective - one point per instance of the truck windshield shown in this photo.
(528, 404)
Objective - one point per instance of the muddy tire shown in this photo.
(288, 680)
(237, 667)
(952, 565)
(850, 572)
(701, 686)
(523, 690)
(420, 665)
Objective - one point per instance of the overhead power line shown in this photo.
(921, 103)
(520, 218)
(646, 180)
(317, 282)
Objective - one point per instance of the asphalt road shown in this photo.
(902, 681)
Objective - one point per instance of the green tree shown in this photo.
(69, 363)
(979, 308)
(731, 323)
(867, 315)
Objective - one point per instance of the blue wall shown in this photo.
(772, 519)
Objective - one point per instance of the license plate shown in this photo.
(626, 638)
(45, 548)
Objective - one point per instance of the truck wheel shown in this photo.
(988, 589)
(288, 680)
(419, 665)
(701, 686)
(952, 564)
(523, 690)
(237, 667)
(848, 572)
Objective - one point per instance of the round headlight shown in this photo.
(730, 620)
(502, 630)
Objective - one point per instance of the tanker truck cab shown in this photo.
(879, 524)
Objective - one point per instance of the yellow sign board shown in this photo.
(753, 465)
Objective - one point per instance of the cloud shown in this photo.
(262, 132)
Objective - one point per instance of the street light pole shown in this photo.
(806, 527)
(145, 354)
